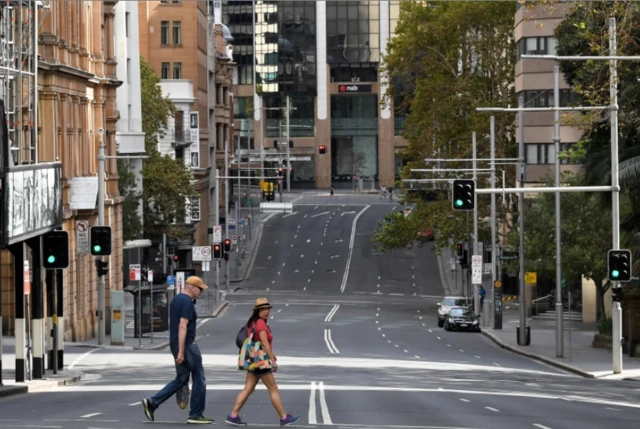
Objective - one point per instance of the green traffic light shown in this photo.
(459, 203)
(97, 248)
(51, 259)
(615, 274)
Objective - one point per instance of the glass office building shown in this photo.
(325, 56)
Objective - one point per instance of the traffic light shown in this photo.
(463, 190)
(459, 250)
(619, 265)
(217, 251)
(280, 172)
(100, 240)
(55, 250)
(322, 149)
(101, 267)
(617, 294)
(227, 245)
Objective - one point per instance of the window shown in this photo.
(195, 208)
(175, 1)
(225, 96)
(177, 70)
(544, 97)
(165, 71)
(164, 33)
(535, 46)
(128, 70)
(176, 33)
(126, 24)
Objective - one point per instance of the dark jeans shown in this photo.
(192, 365)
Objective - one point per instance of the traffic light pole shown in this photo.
(556, 142)
(476, 251)
(288, 148)
(494, 274)
(101, 285)
(226, 202)
(522, 337)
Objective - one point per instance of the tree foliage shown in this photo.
(585, 32)
(166, 181)
(585, 236)
(447, 59)
(127, 187)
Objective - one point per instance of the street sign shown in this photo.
(170, 280)
(531, 278)
(180, 281)
(201, 253)
(150, 276)
(241, 221)
(134, 272)
(234, 239)
(487, 268)
(476, 269)
(217, 234)
(82, 237)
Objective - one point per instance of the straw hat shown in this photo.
(261, 303)
(197, 282)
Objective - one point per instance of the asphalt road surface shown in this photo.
(357, 343)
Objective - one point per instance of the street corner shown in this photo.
(488, 332)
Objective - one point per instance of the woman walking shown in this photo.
(257, 326)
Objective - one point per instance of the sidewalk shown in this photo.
(579, 357)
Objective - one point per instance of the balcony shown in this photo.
(179, 137)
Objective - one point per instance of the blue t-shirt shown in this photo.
(182, 307)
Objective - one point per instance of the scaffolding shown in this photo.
(19, 23)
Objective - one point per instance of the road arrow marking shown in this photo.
(344, 213)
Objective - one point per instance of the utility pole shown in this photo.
(522, 338)
(494, 250)
(476, 251)
(288, 149)
(556, 141)
(226, 202)
(101, 286)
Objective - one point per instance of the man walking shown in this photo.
(182, 336)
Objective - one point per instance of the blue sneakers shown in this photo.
(235, 421)
(289, 420)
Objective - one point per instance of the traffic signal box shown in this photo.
(463, 191)
(619, 265)
(55, 250)
(100, 240)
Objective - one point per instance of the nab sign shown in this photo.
(353, 88)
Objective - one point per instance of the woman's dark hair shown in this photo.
(255, 316)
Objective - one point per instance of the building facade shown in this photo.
(533, 34)
(129, 134)
(325, 56)
(76, 89)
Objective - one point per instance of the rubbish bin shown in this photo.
(528, 333)
(159, 308)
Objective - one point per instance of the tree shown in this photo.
(585, 32)
(586, 237)
(127, 187)
(166, 181)
(447, 59)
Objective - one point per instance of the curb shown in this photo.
(443, 276)
(7, 391)
(247, 273)
(218, 310)
(493, 337)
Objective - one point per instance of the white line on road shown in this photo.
(320, 214)
(497, 364)
(416, 356)
(330, 345)
(312, 404)
(464, 400)
(538, 425)
(326, 418)
(283, 264)
(462, 351)
(353, 238)
(86, 416)
(134, 404)
(406, 351)
(315, 207)
(290, 214)
(439, 338)
(448, 345)
(278, 312)
(495, 410)
(77, 361)
(332, 313)
(612, 409)
(477, 357)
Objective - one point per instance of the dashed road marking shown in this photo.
(86, 416)
(495, 410)
(464, 400)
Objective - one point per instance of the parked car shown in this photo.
(448, 302)
(462, 319)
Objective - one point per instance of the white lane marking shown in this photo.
(283, 264)
(495, 410)
(332, 313)
(330, 344)
(312, 271)
(383, 335)
(353, 239)
(430, 330)
(269, 257)
(320, 214)
(292, 245)
(344, 213)
(461, 351)
(379, 328)
(464, 400)
(278, 272)
(312, 404)
(416, 356)
(612, 409)
(439, 338)
(326, 418)
(497, 364)
(302, 256)
(134, 404)
(296, 271)
(315, 207)
(86, 416)
(77, 361)
(538, 425)
(406, 351)
(273, 281)
(397, 346)
(304, 288)
(308, 240)
(278, 312)
(477, 357)
(286, 305)
(396, 294)
(305, 216)
(309, 281)
(290, 214)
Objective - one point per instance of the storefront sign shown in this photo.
(354, 88)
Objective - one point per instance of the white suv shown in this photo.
(448, 302)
